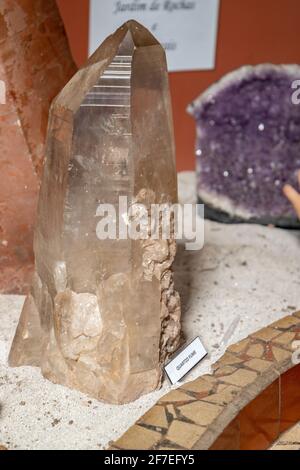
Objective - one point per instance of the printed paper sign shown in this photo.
(186, 28)
(190, 356)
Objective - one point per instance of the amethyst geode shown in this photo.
(248, 145)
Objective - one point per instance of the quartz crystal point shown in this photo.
(35, 63)
(248, 145)
(103, 315)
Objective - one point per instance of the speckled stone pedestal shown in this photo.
(248, 145)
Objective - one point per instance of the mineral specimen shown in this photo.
(103, 314)
(35, 63)
(248, 145)
(293, 196)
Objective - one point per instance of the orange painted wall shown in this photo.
(250, 32)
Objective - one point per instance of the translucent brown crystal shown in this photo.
(103, 315)
(35, 63)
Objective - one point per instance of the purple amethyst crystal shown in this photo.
(248, 144)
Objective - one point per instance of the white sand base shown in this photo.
(245, 277)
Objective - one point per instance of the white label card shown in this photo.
(186, 28)
(188, 358)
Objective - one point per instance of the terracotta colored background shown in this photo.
(250, 32)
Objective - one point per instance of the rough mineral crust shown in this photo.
(35, 63)
(103, 315)
(248, 145)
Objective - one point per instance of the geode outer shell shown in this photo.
(248, 145)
